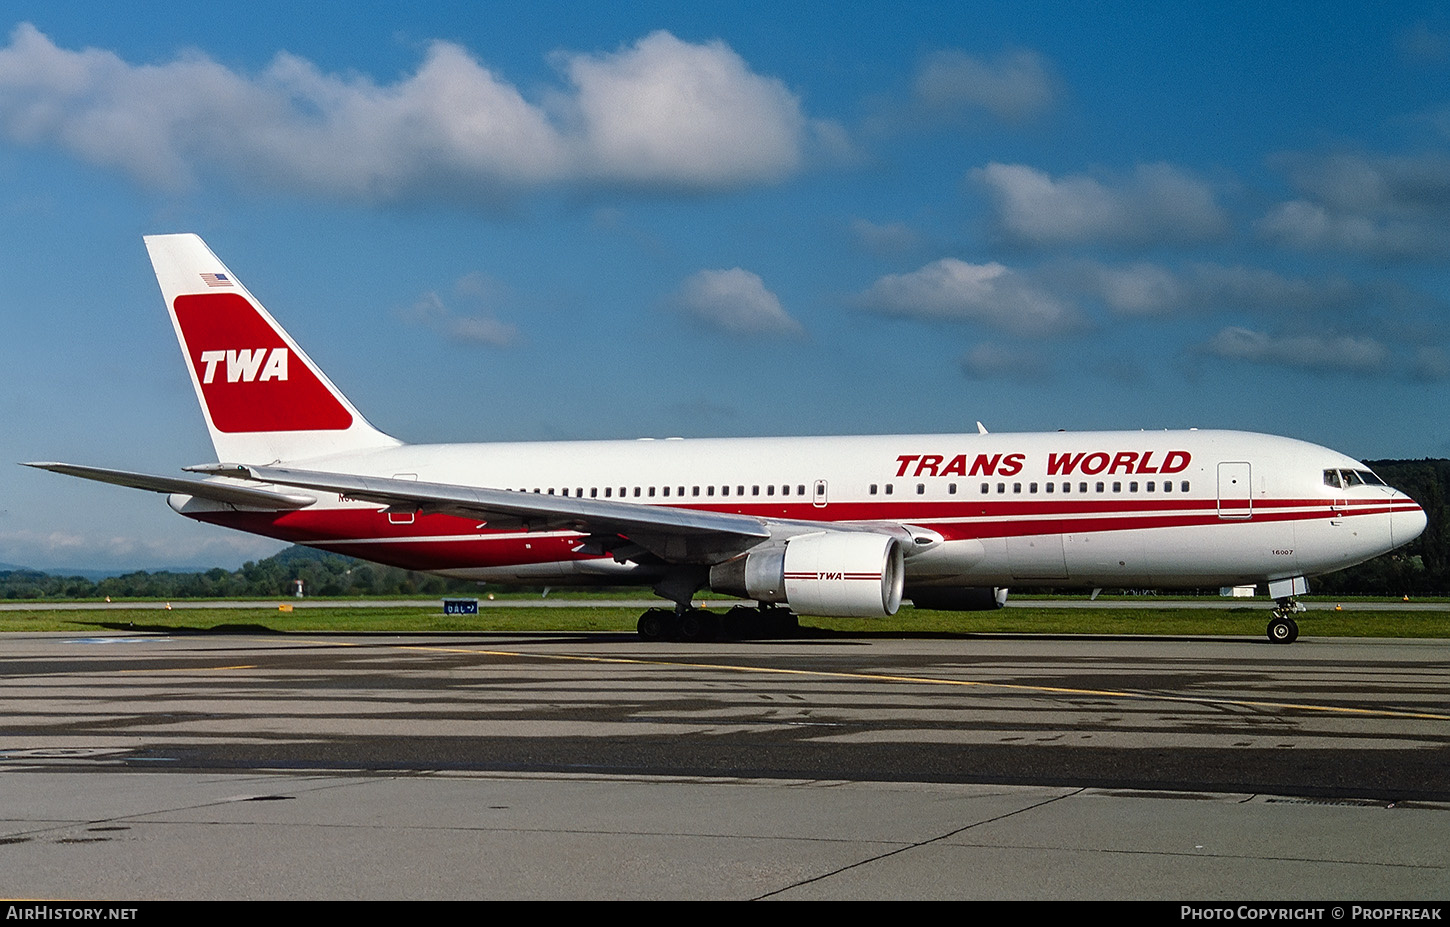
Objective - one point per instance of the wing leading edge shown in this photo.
(678, 535)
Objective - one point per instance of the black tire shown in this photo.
(698, 626)
(1283, 631)
(654, 625)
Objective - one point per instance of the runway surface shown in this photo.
(1143, 602)
(598, 766)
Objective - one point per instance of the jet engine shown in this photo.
(835, 574)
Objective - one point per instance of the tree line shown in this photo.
(1420, 568)
(322, 574)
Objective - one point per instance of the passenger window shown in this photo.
(951, 489)
(889, 487)
(873, 489)
(1183, 486)
(920, 489)
(1117, 487)
(1049, 486)
(1100, 486)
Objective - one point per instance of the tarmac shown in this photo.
(158, 766)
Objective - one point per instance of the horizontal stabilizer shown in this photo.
(227, 493)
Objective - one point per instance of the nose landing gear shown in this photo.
(1282, 628)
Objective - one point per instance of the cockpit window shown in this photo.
(1345, 479)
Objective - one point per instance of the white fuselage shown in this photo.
(1169, 508)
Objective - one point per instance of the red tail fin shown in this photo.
(263, 398)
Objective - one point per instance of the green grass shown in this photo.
(1248, 621)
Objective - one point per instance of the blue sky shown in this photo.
(525, 221)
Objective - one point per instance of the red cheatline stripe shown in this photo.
(358, 527)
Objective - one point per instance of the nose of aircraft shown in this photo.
(1406, 522)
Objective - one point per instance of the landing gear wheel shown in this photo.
(781, 622)
(698, 625)
(654, 625)
(1283, 630)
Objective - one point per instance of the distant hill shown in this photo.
(92, 575)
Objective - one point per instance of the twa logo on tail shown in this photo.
(243, 365)
(260, 388)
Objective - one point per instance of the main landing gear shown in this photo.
(1282, 628)
(695, 625)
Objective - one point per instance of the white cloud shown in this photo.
(1375, 206)
(1145, 288)
(665, 111)
(1312, 351)
(480, 327)
(1311, 227)
(1014, 86)
(1158, 203)
(989, 294)
(737, 302)
(661, 113)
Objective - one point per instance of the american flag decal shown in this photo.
(216, 280)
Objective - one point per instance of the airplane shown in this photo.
(817, 526)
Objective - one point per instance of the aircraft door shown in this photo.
(1235, 490)
(818, 498)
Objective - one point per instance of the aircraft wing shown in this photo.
(228, 493)
(674, 534)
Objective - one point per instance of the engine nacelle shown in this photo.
(834, 574)
(959, 598)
